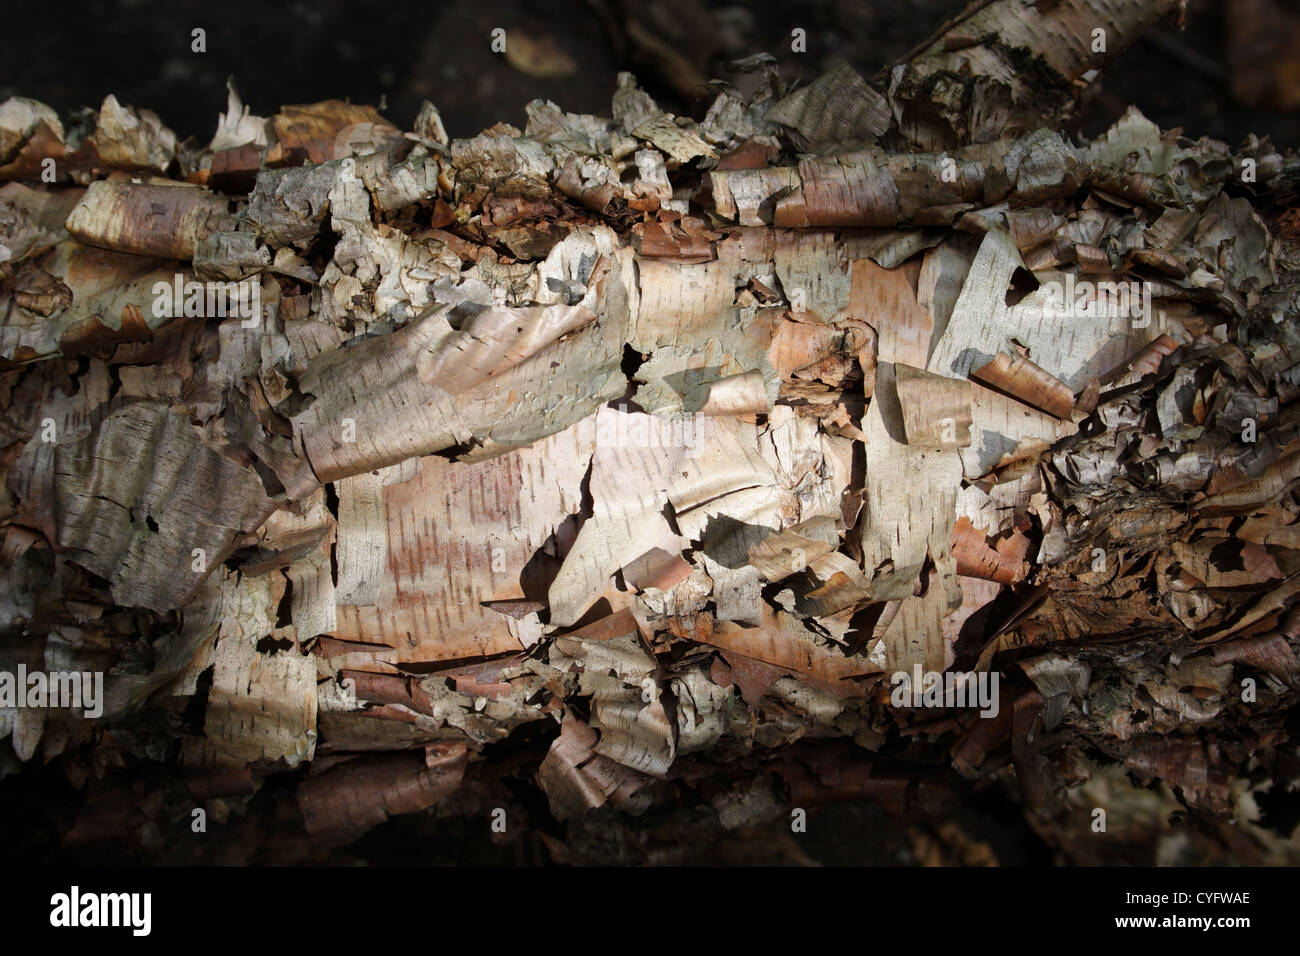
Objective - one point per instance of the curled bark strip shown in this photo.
(1021, 378)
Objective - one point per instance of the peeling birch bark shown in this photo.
(635, 460)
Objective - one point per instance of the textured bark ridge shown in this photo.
(602, 479)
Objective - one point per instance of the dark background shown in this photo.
(399, 52)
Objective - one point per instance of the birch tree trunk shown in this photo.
(632, 483)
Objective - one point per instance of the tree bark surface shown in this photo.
(637, 482)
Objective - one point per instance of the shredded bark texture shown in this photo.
(633, 459)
